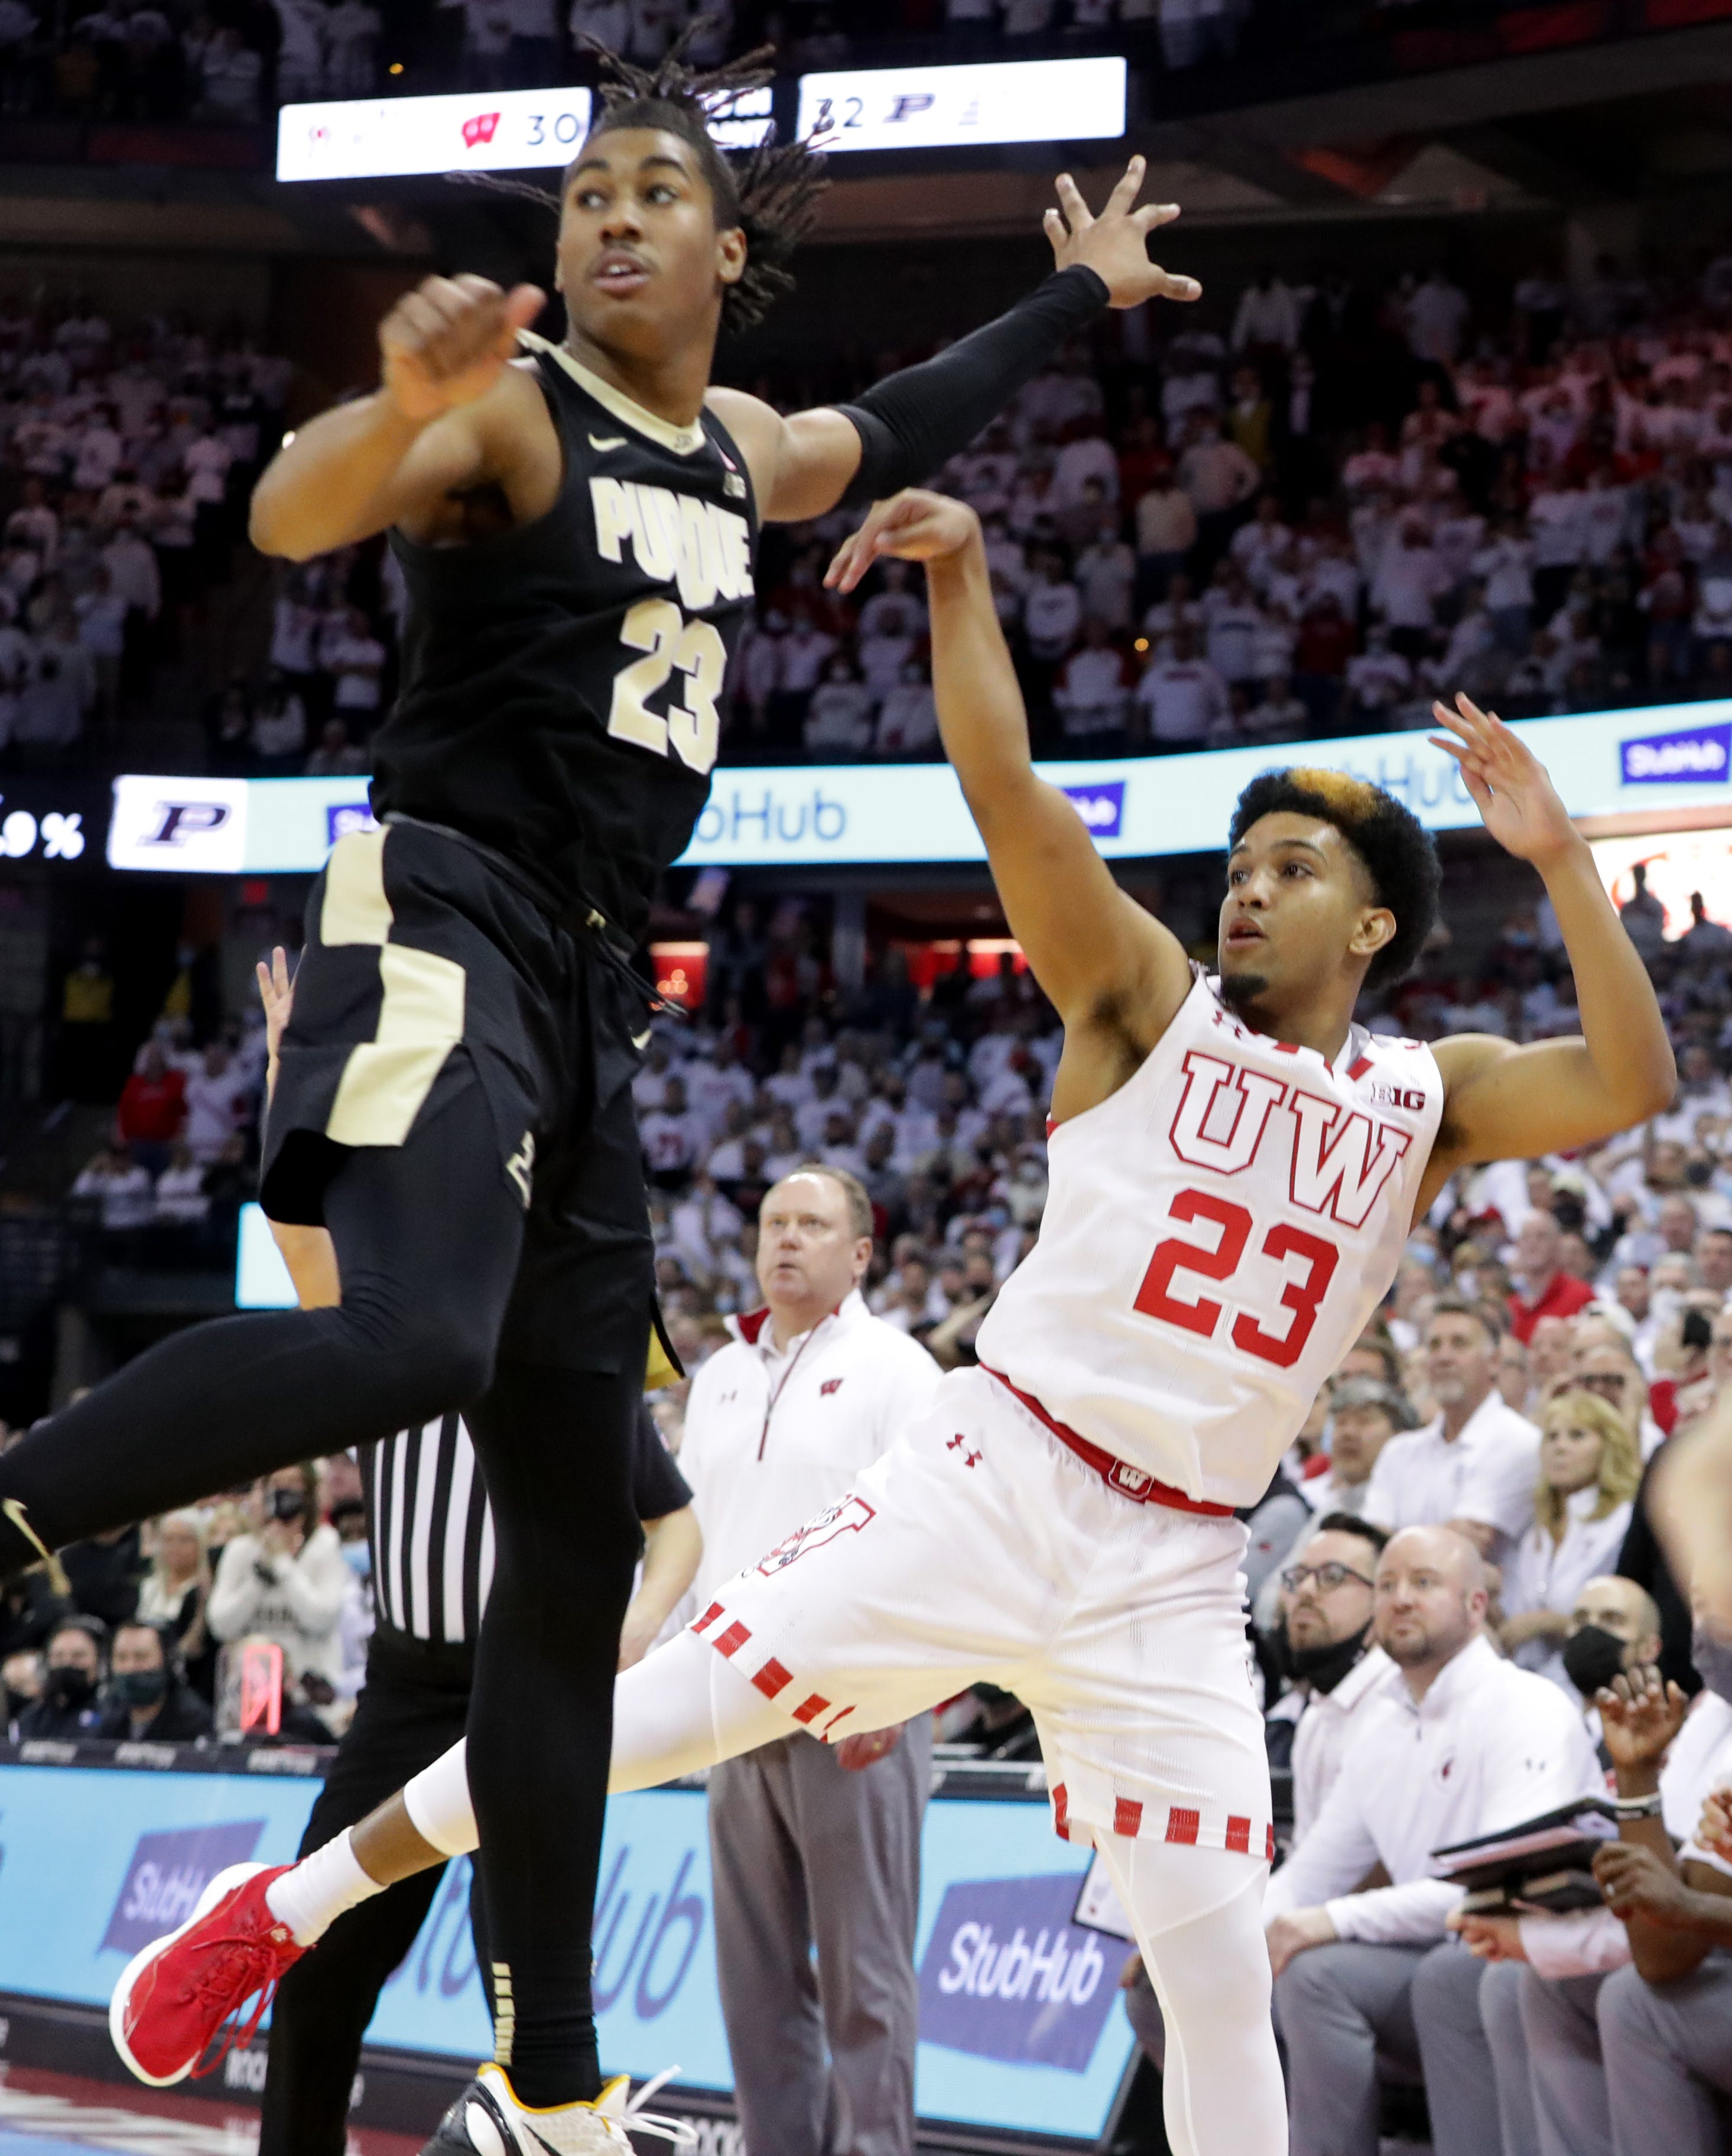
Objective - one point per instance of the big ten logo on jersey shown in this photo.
(706, 550)
(1325, 1156)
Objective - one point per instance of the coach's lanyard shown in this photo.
(769, 1406)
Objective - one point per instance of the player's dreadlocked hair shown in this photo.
(1395, 846)
(770, 193)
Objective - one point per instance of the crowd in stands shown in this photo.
(126, 461)
(1311, 521)
(1304, 524)
(233, 61)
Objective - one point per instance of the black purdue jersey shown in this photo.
(561, 680)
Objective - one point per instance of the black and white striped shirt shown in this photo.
(431, 1530)
(431, 1533)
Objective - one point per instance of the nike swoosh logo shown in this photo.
(638, 1040)
(607, 441)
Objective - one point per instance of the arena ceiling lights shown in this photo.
(956, 108)
(502, 130)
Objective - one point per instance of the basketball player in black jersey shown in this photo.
(577, 529)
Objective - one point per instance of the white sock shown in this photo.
(312, 1897)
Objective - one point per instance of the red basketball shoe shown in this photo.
(174, 1997)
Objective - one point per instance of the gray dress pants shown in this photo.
(1346, 2009)
(805, 1855)
(1668, 2060)
(1560, 2020)
(1339, 2008)
(1477, 2085)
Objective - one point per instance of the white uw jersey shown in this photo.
(1217, 1235)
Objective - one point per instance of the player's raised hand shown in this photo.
(913, 526)
(1640, 1714)
(1509, 785)
(1116, 245)
(446, 343)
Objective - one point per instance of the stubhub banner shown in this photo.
(1020, 2029)
(806, 815)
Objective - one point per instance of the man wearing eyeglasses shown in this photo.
(1328, 1595)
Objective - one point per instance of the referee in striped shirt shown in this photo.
(431, 1537)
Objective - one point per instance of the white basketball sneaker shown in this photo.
(489, 2120)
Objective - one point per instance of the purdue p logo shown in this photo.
(521, 1166)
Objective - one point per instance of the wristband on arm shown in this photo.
(912, 422)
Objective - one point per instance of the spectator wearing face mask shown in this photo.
(148, 1698)
(71, 1681)
(1589, 1472)
(1614, 1628)
(1328, 1595)
(285, 1581)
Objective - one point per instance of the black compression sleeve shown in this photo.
(911, 422)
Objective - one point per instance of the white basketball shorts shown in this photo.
(980, 1549)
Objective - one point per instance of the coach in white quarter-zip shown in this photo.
(812, 1845)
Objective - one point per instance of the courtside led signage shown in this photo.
(951, 107)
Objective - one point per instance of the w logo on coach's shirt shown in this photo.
(830, 1385)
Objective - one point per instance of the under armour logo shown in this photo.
(830, 1385)
(521, 1166)
(959, 1443)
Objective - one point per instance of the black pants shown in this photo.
(414, 1708)
(428, 1238)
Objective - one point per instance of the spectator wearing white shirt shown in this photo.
(838, 719)
(1267, 315)
(1411, 579)
(908, 716)
(349, 651)
(1465, 1745)
(1475, 1464)
(1182, 699)
(214, 1095)
(286, 1580)
(1329, 1589)
(1436, 319)
(1092, 693)
(670, 1136)
(1365, 1413)
(1590, 1467)
(814, 1847)
(1052, 610)
(1377, 680)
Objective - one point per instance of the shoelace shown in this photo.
(631, 2115)
(260, 1970)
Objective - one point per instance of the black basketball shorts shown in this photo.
(431, 964)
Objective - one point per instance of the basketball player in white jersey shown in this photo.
(1234, 1169)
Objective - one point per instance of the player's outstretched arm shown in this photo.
(440, 420)
(1507, 1103)
(1090, 946)
(904, 427)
